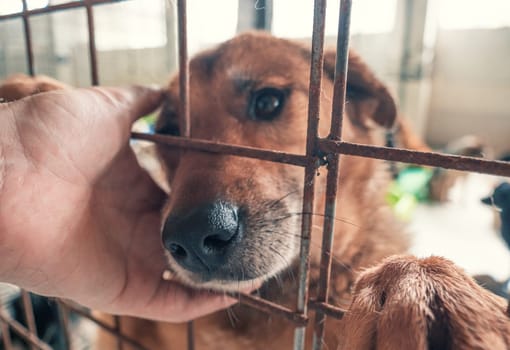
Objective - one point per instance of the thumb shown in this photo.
(135, 101)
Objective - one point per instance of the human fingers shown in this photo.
(173, 302)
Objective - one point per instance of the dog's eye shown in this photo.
(266, 104)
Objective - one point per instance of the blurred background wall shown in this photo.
(446, 61)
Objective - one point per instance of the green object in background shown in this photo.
(151, 121)
(415, 181)
(146, 124)
(410, 188)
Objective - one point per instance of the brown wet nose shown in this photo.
(201, 240)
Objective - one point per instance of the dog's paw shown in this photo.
(18, 86)
(411, 303)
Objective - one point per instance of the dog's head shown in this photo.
(230, 221)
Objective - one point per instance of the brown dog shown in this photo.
(231, 221)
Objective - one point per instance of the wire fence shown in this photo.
(320, 152)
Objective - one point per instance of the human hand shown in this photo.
(79, 218)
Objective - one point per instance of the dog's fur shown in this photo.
(401, 303)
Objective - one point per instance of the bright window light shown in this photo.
(210, 22)
(36, 4)
(294, 18)
(130, 25)
(14, 6)
(465, 14)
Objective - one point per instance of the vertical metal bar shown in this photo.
(63, 317)
(184, 122)
(28, 39)
(184, 125)
(28, 311)
(92, 42)
(340, 85)
(117, 325)
(317, 60)
(191, 335)
(342, 58)
(263, 14)
(6, 335)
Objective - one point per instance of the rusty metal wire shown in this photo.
(103, 325)
(118, 328)
(28, 311)
(335, 133)
(327, 146)
(28, 39)
(6, 336)
(56, 8)
(18, 328)
(299, 319)
(63, 315)
(92, 42)
(317, 61)
(184, 125)
(184, 115)
(446, 161)
(218, 147)
(327, 309)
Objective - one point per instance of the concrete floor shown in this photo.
(463, 229)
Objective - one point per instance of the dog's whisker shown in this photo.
(285, 262)
(318, 247)
(231, 316)
(339, 219)
(277, 201)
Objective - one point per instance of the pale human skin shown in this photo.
(79, 218)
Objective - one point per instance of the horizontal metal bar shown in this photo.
(271, 308)
(462, 163)
(327, 309)
(23, 332)
(84, 313)
(56, 8)
(217, 147)
(479, 165)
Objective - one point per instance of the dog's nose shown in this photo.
(200, 241)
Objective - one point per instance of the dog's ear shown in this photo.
(367, 98)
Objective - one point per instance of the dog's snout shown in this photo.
(200, 240)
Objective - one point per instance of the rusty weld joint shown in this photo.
(323, 158)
